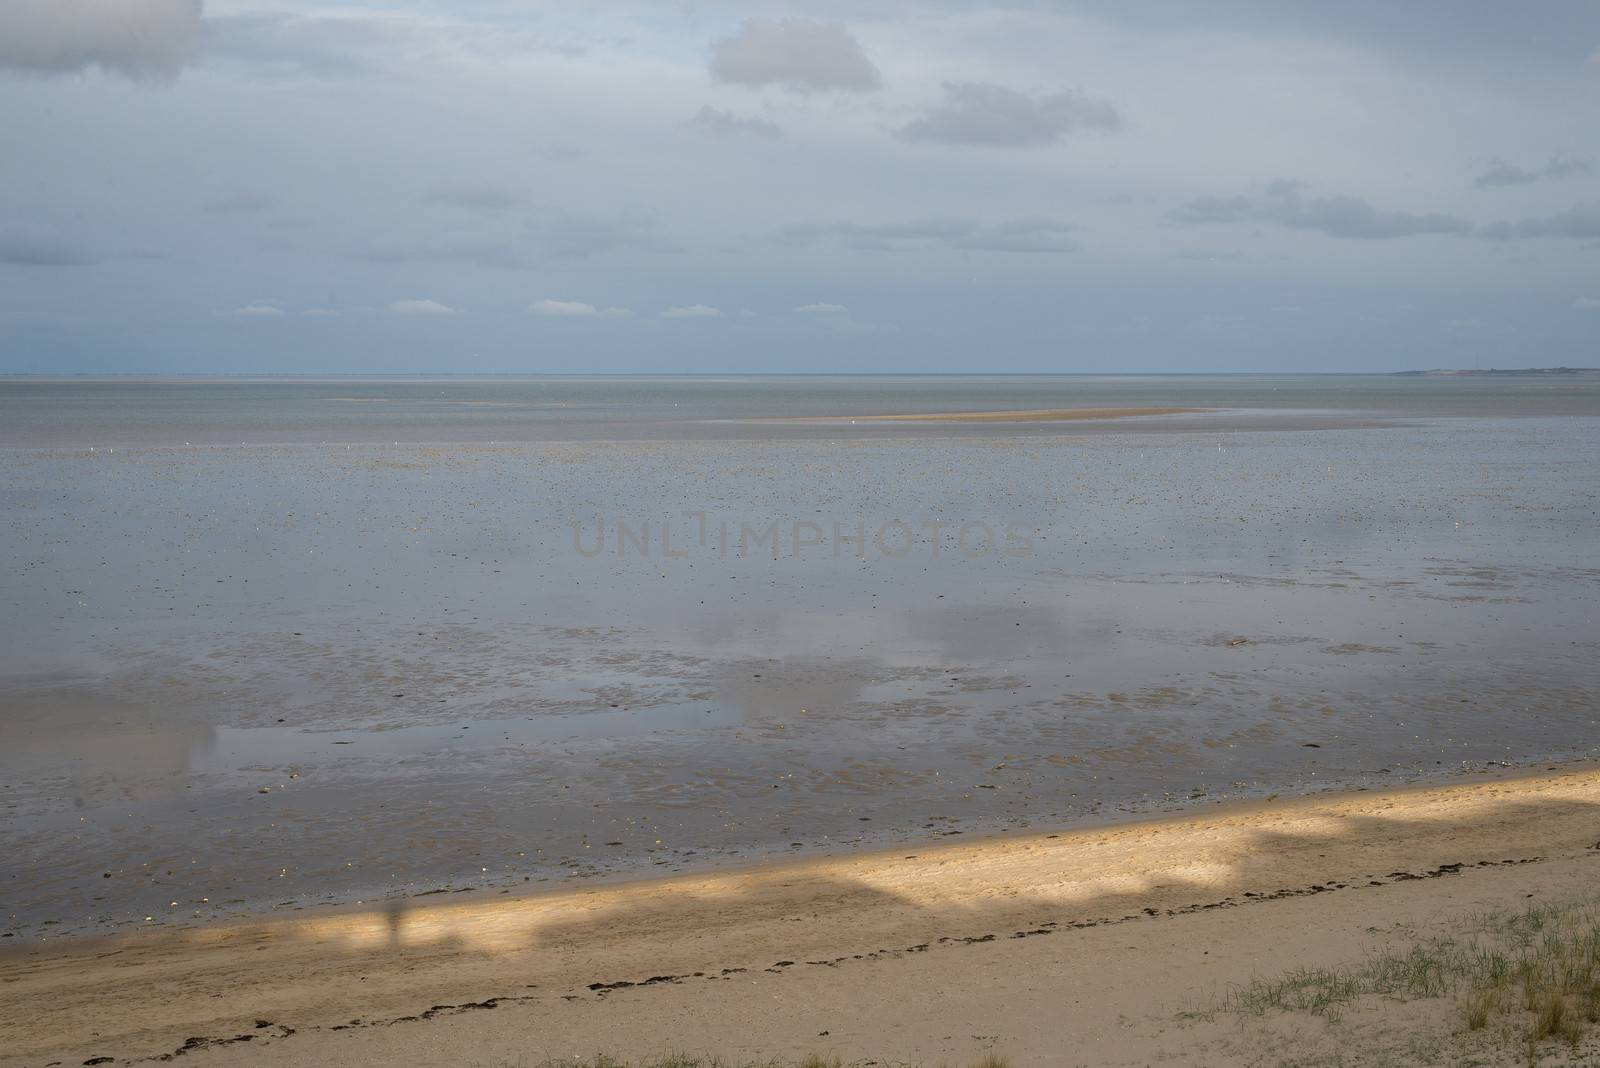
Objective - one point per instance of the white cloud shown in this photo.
(798, 54)
(420, 307)
(321, 313)
(822, 309)
(257, 311)
(563, 309)
(692, 311)
(577, 309)
(1586, 304)
(136, 38)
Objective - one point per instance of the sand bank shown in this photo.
(1090, 940)
(1034, 415)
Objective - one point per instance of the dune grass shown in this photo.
(1533, 974)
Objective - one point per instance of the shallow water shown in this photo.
(242, 677)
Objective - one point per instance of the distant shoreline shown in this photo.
(1440, 372)
(403, 376)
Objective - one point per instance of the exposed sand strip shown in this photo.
(929, 953)
(1034, 415)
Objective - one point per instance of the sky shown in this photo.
(465, 186)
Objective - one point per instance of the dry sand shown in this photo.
(1077, 948)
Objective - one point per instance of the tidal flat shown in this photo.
(264, 675)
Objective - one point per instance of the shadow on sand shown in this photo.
(339, 969)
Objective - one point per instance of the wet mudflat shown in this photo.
(236, 678)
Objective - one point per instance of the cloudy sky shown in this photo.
(907, 185)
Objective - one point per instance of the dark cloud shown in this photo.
(1027, 234)
(795, 53)
(726, 124)
(1501, 173)
(1581, 222)
(1284, 203)
(979, 113)
(143, 39)
(23, 248)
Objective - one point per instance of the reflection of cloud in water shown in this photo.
(949, 633)
(779, 690)
(97, 744)
(813, 662)
(983, 632)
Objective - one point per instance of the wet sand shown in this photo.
(1091, 939)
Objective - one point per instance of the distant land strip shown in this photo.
(1450, 373)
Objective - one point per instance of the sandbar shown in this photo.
(1031, 415)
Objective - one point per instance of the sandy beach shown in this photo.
(1094, 940)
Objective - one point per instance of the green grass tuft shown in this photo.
(1542, 962)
